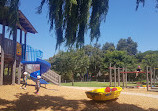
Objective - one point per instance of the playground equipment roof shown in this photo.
(24, 22)
(25, 25)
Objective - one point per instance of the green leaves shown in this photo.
(75, 63)
(9, 12)
(99, 12)
(108, 46)
(151, 60)
(70, 63)
(127, 45)
(119, 59)
(71, 19)
(74, 2)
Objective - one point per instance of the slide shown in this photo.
(44, 67)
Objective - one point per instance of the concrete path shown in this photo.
(126, 93)
(140, 94)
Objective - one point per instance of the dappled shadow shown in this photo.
(153, 90)
(7, 80)
(113, 106)
(28, 102)
(42, 85)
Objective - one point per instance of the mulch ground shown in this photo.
(64, 98)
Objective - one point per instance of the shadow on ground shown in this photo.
(27, 102)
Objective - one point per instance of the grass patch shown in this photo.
(94, 84)
(87, 84)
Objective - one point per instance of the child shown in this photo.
(138, 70)
(24, 80)
(37, 87)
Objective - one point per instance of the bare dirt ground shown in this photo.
(73, 99)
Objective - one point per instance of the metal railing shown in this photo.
(31, 54)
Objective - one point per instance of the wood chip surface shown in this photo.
(59, 98)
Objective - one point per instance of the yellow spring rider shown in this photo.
(104, 94)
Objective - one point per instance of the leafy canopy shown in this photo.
(127, 45)
(108, 46)
(72, 18)
(9, 11)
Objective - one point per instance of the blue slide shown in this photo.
(44, 67)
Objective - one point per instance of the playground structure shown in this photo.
(122, 74)
(11, 50)
(15, 54)
(44, 67)
(36, 66)
(151, 79)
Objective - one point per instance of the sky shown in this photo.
(122, 21)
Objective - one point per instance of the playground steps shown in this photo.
(49, 76)
(28, 70)
(52, 77)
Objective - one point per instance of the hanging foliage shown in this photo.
(138, 2)
(72, 18)
(9, 12)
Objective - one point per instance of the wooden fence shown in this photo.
(8, 46)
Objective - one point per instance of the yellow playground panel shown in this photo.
(19, 49)
(101, 95)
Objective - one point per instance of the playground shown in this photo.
(72, 99)
(21, 65)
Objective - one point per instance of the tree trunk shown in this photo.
(73, 82)
(72, 79)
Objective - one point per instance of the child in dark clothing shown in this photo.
(37, 87)
(24, 80)
(138, 70)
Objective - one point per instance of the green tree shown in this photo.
(127, 45)
(82, 63)
(9, 13)
(118, 58)
(150, 60)
(141, 56)
(96, 59)
(70, 63)
(108, 46)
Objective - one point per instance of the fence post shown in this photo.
(123, 78)
(114, 76)
(110, 76)
(126, 76)
(19, 73)
(118, 76)
(14, 56)
(2, 54)
(147, 79)
(59, 79)
(154, 76)
(151, 77)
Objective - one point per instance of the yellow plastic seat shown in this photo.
(143, 85)
(101, 95)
